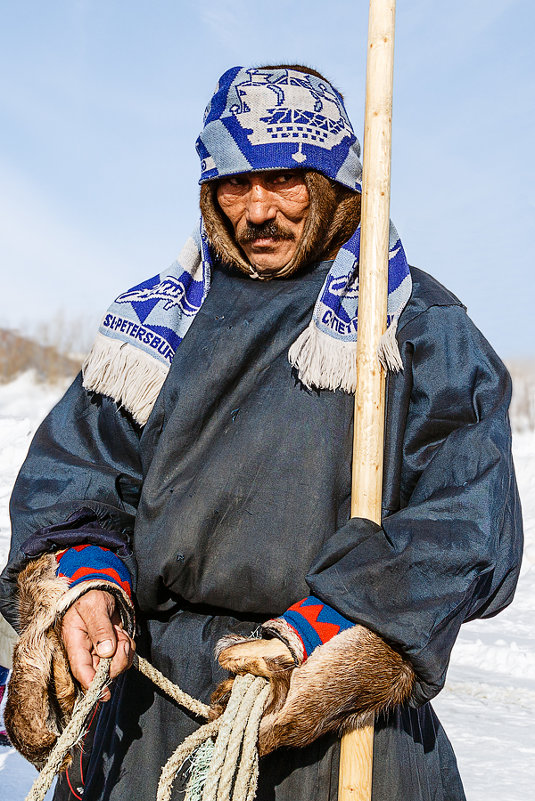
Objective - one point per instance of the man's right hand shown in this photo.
(91, 630)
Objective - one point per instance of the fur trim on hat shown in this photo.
(42, 690)
(333, 216)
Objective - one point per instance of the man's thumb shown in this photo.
(103, 636)
(96, 610)
(105, 648)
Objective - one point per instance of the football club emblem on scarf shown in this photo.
(257, 119)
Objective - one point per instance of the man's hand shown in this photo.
(91, 630)
(343, 683)
(271, 659)
(258, 656)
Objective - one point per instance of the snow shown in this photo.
(16, 776)
(23, 404)
(488, 704)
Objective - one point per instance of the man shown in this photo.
(204, 459)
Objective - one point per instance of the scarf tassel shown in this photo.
(322, 361)
(126, 374)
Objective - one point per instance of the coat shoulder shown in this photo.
(426, 293)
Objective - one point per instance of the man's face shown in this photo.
(268, 211)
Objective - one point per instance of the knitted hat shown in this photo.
(263, 118)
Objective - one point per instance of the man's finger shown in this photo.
(79, 652)
(124, 654)
(261, 657)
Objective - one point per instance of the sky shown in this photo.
(101, 103)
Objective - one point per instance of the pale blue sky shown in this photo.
(101, 103)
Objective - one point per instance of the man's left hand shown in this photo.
(342, 684)
(271, 659)
(257, 656)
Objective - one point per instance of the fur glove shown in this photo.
(341, 686)
(41, 690)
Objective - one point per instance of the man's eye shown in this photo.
(236, 180)
(283, 178)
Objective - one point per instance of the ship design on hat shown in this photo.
(285, 106)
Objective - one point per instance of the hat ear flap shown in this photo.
(311, 246)
(345, 219)
(219, 231)
(333, 216)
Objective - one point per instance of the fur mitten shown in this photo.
(271, 659)
(340, 686)
(41, 690)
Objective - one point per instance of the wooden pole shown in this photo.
(356, 756)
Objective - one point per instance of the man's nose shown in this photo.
(260, 206)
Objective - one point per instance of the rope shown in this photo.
(229, 770)
(170, 689)
(176, 760)
(220, 789)
(247, 777)
(226, 770)
(223, 742)
(70, 734)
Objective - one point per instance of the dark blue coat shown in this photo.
(233, 503)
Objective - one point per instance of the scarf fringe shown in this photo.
(326, 363)
(388, 350)
(126, 374)
(134, 379)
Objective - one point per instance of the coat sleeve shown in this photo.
(80, 484)
(452, 551)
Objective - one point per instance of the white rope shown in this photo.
(231, 772)
(223, 742)
(71, 733)
(229, 769)
(170, 689)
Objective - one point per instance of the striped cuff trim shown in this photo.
(315, 622)
(89, 562)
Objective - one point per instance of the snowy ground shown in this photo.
(488, 705)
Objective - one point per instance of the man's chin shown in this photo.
(268, 270)
(267, 260)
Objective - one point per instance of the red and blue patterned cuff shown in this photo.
(315, 622)
(89, 562)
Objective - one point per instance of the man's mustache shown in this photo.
(267, 230)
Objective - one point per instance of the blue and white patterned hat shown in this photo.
(262, 119)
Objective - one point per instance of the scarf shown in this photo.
(257, 119)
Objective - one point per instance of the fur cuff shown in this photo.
(340, 686)
(278, 627)
(42, 691)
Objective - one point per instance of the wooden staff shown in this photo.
(356, 756)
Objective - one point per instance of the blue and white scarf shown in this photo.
(257, 119)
